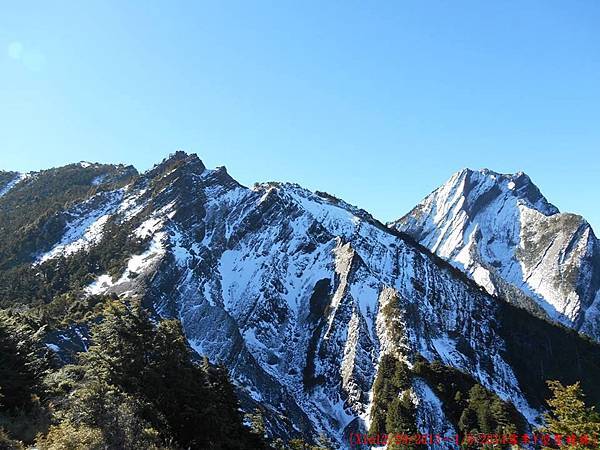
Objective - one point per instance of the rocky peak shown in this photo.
(221, 177)
(178, 160)
(479, 187)
(502, 231)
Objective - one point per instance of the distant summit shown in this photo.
(504, 233)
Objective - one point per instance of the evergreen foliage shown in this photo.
(24, 363)
(32, 219)
(570, 416)
(138, 387)
(32, 216)
(392, 411)
(468, 405)
(42, 283)
(257, 422)
(66, 310)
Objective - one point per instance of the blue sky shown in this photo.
(376, 102)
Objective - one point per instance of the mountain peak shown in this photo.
(502, 231)
(483, 185)
(178, 159)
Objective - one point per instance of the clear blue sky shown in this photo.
(377, 102)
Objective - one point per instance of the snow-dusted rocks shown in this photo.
(503, 232)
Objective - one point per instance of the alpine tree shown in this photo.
(570, 416)
(24, 362)
(140, 385)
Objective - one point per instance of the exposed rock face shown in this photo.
(300, 294)
(501, 231)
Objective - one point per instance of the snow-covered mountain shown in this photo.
(300, 294)
(503, 232)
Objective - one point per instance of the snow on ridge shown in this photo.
(486, 224)
(311, 201)
(149, 227)
(130, 206)
(100, 286)
(137, 264)
(20, 177)
(99, 179)
(517, 185)
(337, 218)
(181, 248)
(86, 229)
(92, 234)
(274, 260)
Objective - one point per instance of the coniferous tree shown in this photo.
(257, 422)
(392, 413)
(569, 415)
(139, 386)
(24, 362)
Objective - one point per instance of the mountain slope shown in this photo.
(504, 233)
(300, 295)
(7, 181)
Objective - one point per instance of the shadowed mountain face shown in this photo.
(501, 231)
(299, 294)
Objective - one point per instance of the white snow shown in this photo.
(102, 284)
(131, 206)
(497, 239)
(13, 183)
(431, 418)
(255, 295)
(446, 349)
(86, 229)
(137, 264)
(91, 235)
(336, 219)
(99, 179)
(149, 227)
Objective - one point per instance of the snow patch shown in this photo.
(137, 264)
(13, 183)
(86, 229)
(55, 348)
